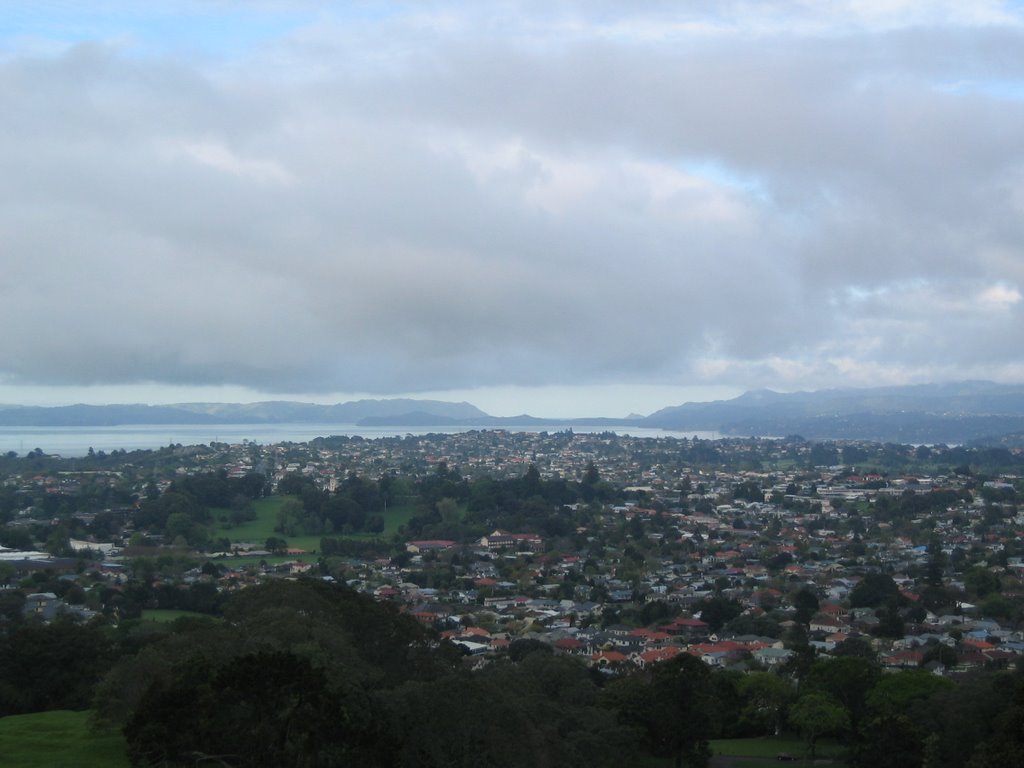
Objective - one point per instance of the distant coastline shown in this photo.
(76, 441)
(951, 413)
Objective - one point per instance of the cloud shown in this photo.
(222, 158)
(421, 197)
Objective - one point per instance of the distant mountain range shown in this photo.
(273, 412)
(925, 413)
(962, 412)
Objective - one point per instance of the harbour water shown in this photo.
(76, 441)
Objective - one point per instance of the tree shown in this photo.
(262, 709)
(981, 581)
(539, 712)
(936, 563)
(293, 484)
(815, 715)
(671, 705)
(874, 590)
(51, 666)
(1005, 746)
(58, 543)
(276, 544)
(765, 698)
(806, 604)
(855, 646)
(15, 538)
(846, 680)
(175, 501)
(941, 653)
(179, 525)
(894, 734)
(966, 716)
(891, 741)
(895, 694)
(591, 487)
(291, 517)
(890, 622)
(716, 612)
(522, 647)
(449, 510)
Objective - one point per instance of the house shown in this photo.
(821, 623)
(687, 627)
(569, 645)
(608, 659)
(515, 541)
(771, 657)
(903, 659)
(428, 545)
(656, 655)
(42, 605)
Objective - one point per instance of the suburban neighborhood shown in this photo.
(666, 539)
(772, 564)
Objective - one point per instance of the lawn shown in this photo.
(757, 753)
(262, 528)
(398, 515)
(59, 739)
(771, 746)
(166, 615)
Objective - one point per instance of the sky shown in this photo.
(563, 208)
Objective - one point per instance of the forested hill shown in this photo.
(927, 413)
(229, 413)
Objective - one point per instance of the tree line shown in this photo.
(309, 673)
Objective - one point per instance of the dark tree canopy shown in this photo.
(874, 590)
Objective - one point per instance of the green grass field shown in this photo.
(60, 739)
(262, 528)
(397, 516)
(167, 615)
(770, 746)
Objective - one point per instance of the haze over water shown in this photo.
(76, 441)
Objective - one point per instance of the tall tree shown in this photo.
(816, 714)
(671, 704)
(848, 680)
(766, 698)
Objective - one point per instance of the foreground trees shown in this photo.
(51, 666)
(543, 711)
(260, 709)
(308, 673)
(311, 674)
(672, 705)
(816, 714)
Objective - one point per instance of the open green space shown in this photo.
(63, 739)
(59, 739)
(770, 747)
(758, 753)
(167, 615)
(262, 528)
(650, 761)
(398, 515)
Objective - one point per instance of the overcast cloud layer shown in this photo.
(399, 198)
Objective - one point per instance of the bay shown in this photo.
(76, 441)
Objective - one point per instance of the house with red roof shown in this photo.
(656, 655)
(611, 659)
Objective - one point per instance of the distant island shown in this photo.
(961, 412)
